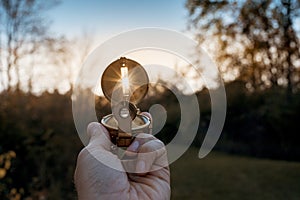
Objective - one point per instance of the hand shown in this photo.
(147, 177)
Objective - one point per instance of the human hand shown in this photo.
(147, 177)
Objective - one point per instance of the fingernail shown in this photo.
(141, 166)
(134, 146)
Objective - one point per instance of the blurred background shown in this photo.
(255, 45)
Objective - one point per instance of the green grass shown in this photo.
(221, 176)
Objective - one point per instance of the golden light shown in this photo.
(125, 81)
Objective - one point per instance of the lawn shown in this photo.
(222, 176)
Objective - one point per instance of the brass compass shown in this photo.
(125, 83)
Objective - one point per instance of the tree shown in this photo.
(257, 41)
(78, 50)
(23, 31)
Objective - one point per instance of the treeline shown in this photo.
(40, 131)
(39, 143)
(261, 124)
(254, 41)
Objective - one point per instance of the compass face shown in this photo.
(111, 81)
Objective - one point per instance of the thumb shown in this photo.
(99, 147)
(98, 136)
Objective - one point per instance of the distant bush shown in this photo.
(261, 124)
(41, 133)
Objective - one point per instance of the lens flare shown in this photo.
(125, 82)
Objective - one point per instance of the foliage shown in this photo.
(39, 131)
(6, 188)
(256, 41)
(261, 123)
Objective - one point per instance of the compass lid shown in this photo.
(111, 81)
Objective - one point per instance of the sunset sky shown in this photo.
(105, 19)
